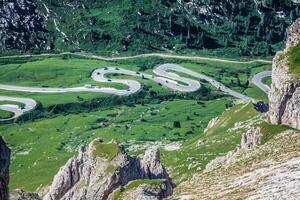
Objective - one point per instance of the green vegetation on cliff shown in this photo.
(294, 59)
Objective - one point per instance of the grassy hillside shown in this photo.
(131, 125)
(250, 173)
(223, 136)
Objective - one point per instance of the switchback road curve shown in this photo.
(165, 76)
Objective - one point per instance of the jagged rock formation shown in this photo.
(285, 90)
(251, 138)
(100, 169)
(4, 169)
(21, 26)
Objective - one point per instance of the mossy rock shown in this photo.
(107, 151)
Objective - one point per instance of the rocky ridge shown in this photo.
(99, 169)
(285, 90)
(4, 169)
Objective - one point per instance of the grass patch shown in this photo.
(107, 151)
(267, 80)
(5, 114)
(269, 130)
(294, 59)
(118, 195)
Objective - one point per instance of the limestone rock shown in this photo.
(219, 162)
(4, 169)
(22, 195)
(285, 90)
(99, 169)
(251, 138)
(148, 191)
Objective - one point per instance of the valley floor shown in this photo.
(174, 121)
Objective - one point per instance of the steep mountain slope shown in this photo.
(270, 171)
(266, 166)
(285, 94)
(248, 27)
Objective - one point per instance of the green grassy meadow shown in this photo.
(70, 71)
(41, 146)
(63, 135)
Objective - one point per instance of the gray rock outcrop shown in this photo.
(4, 170)
(251, 138)
(21, 26)
(99, 169)
(22, 195)
(285, 90)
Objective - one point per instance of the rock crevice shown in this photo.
(285, 90)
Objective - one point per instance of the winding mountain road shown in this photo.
(165, 76)
(257, 80)
(29, 104)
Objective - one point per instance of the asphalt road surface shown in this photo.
(257, 80)
(30, 104)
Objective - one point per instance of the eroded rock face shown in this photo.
(4, 169)
(96, 172)
(285, 90)
(251, 138)
(21, 27)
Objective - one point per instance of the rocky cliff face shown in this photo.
(100, 169)
(4, 169)
(285, 90)
(21, 26)
(251, 138)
